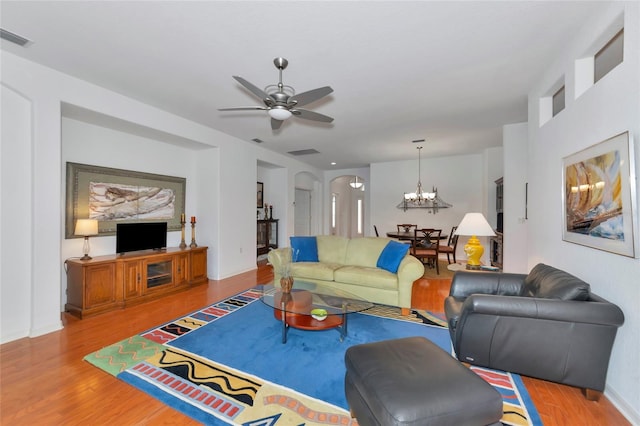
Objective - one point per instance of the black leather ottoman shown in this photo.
(412, 381)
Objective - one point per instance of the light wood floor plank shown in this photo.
(44, 380)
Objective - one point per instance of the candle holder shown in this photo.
(193, 234)
(183, 244)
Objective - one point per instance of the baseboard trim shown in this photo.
(625, 409)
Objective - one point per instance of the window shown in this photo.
(334, 197)
(609, 56)
(558, 101)
(360, 216)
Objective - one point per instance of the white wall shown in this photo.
(222, 177)
(461, 181)
(515, 253)
(609, 107)
(95, 145)
(15, 215)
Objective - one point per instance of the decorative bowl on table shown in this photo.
(319, 314)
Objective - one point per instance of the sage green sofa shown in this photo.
(350, 265)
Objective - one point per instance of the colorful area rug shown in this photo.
(225, 364)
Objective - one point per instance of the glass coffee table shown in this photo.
(295, 309)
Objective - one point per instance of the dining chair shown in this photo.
(450, 248)
(426, 246)
(406, 227)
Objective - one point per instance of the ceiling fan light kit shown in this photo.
(281, 102)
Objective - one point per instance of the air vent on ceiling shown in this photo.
(417, 141)
(256, 140)
(13, 38)
(304, 152)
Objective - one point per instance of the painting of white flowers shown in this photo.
(115, 195)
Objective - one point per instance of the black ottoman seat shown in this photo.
(411, 381)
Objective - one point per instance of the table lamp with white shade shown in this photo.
(86, 227)
(474, 225)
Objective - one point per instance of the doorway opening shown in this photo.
(347, 206)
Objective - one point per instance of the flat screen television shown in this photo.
(140, 236)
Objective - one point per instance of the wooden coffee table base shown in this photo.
(300, 300)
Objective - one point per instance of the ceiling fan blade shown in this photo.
(275, 124)
(310, 115)
(305, 98)
(253, 89)
(253, 108)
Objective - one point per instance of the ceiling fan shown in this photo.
(281, 102)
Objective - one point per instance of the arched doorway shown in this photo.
(347, 206)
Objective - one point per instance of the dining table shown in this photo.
(409, 236)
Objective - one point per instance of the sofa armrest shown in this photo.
(277, 258)
(465, 284)
(410, 269)
(601, 313)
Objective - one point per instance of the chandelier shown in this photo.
(421, 199)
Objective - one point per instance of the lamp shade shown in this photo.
(475, 224)
(86, 227)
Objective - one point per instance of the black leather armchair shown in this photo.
(546, 324)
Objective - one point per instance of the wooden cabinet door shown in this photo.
(181, 265)
(100, 285)
(198, 265)
(132, 278)
(159, 274)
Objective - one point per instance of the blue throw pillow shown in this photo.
(304, 249)
(392, 255)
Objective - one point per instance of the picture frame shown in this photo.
(115, 195)
(599, 197)
(260, 203)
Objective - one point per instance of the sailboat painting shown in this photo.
(599, 197)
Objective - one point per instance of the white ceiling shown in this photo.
(449, 72)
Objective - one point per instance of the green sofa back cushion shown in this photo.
(332, 248)
(365, 251)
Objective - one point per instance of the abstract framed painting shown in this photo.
(599, 197)
(114, 195)
(260, 198)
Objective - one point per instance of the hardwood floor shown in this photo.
(44, 380)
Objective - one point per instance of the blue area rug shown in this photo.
(225, 364)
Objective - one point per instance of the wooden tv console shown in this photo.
(106, 283)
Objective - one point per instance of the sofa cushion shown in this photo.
(365, 251)
(332, 248)
(304, 249)
(547, 282)
(314, 270)
(366, 276)
(392, 255)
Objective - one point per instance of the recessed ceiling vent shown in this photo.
(417, 141)
(304, 152)
(256, 140)
(13, 38)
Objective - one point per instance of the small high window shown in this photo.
(609, 56)
(558, 101)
